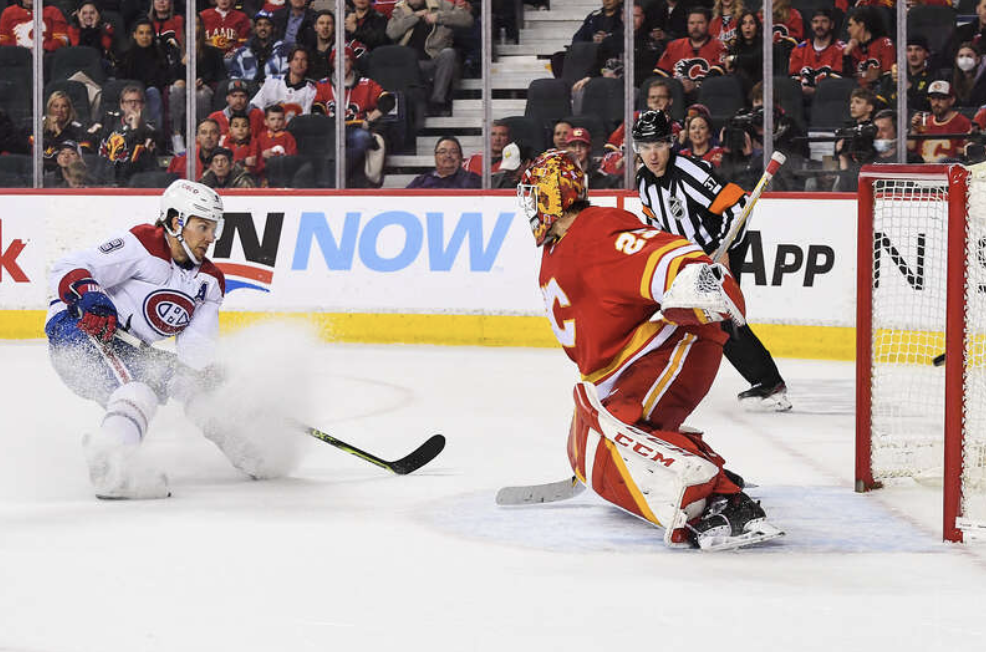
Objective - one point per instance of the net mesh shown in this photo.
(910, 229)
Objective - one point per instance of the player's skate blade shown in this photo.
(116, 474)
(765, 399)
(732, 521)
(755, 532)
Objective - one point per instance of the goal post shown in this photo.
(921, 292)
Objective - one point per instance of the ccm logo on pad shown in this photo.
(642, 449)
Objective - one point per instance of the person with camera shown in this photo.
(942, 120)
(885, 142)
(818, 57)
(683, 196)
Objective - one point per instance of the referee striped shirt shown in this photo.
(691, 201)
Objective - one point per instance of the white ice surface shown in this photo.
(342, 556)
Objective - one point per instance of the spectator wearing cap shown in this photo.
(224, 173)
(968, 78)
(448, 172)
(238, 101)
(499, 138)
(293, 91)
(365, 103)
(517, 157)
(60, 124)
(262, 55)
(693, 58)
(426, 27)
(820, 56)
(868, 53)
(16, 26)
(918, 76)
(294, 23)
(64, 154)
(226, 28)
(206, 141)
(366, 25)
(942, 120)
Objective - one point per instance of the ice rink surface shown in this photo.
(342, 556)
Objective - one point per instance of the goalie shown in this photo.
(638, 311)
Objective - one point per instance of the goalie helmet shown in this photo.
(652, 127)
(552, 184)
(190, 199)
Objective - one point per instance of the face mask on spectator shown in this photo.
(883, 145)
(965, 64)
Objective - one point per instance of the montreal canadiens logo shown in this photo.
(168, 312)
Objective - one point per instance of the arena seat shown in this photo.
(548, 101)
(604, 98)
(152, 179)
(526, 131)
(580, 61)
(830, 106)
(724, 97)
(65, 62)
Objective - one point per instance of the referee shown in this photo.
(682, 196)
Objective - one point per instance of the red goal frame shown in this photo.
(956, 178)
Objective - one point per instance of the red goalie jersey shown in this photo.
(682, 61)
(607, 258)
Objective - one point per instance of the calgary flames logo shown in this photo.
(291, 109)
(693, 69)
(115, 148)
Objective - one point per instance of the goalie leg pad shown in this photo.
(702, 293)
(635, 470)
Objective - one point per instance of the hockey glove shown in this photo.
(703, 293)
(95, 310)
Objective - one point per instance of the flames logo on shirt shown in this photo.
(863, 66)
(811, 76)
(693, 69)
(291, 109)
(168, 311)
(115, 148)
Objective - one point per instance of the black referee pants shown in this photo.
(744, 350)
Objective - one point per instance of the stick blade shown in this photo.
(540, 493)
(423, 454)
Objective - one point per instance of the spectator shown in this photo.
(670, 18)
(238, 101)
(943, 120)
(88, 28)
(788, 23)
(325, 43)
(127, 141)
(647, 48)
(366, 102)
(294, 23)
(293, 92)
(695, 57)
(366, 25)
(700, 144)
(226, 28)
(499, 138)
(969, 77)
(885, 142)
(64, 154)
(868, 54)
(60, 125)
(427, 29)
(973, 32)
(145, 62)
(560, 133)
(16, 26)
(224, 173)
(262, 55)
(274, 141)
(745, 55)
(725, 19)
(206, 141)
(516, 160)
(579, 145)
(239, 138)
(819, 57)
(605, 27)
(210, 69)
(448, 172)
(169, 27)
(77, 175)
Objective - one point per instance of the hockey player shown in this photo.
(156, 282)
(684, 197)
(637, 310)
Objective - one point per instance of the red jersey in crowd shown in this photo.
(713, 156)
(256, 120)
(792, 29)
(172, 28)
(878, 53)
(226, 32)
(724, 28)
(240, 150)
(271, 140)
(17, 27)
(933, 151)
(105, 40)
(980, 118)
(810, 66)
(178, 163)
(361, 98)
(683, 61)
(475, 164)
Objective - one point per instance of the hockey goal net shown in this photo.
(921, 330)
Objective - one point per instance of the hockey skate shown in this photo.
(732, 521)
(765, 399)
(117, 474)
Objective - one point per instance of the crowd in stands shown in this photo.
(265, 96)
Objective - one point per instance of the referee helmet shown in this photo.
(652, 127)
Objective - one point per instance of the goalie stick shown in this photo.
(777, 159)
(411, 462)
(540, 493)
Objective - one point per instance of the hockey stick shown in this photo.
(417, 458)
(540, 493)
(776, 161)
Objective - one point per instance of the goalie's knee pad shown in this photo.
(129, 412)
(635, 470)
(702, 293)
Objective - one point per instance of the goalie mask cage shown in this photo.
(921, 292)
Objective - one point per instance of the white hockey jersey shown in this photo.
(155, 297)
(296, 99)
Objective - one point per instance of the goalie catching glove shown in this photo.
(702, 293)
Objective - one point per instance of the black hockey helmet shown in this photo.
(652, 127)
